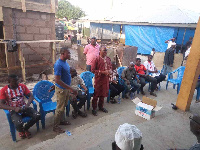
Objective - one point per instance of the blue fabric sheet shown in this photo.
(148, 37)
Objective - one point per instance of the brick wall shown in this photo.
(30, 26)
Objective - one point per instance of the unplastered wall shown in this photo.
(30, 26)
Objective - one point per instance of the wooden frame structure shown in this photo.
(23, 65)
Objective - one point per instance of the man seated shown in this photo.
(152, 70)
(12, 99)
(130, 78)
(115, 87)
(142, 72)
(76, 81)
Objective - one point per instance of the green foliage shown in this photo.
(66, 9)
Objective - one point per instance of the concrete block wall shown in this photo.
(30, 26)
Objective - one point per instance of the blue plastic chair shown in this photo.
(25, 119)
(43, 97)
(198, 94)
(178, 80)
(87, 78)
(121, 81)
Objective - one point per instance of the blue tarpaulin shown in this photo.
(148, 37)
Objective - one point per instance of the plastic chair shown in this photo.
(25, 119)
(43, 97)
(87, 78)
(178, 80)
(121, 81)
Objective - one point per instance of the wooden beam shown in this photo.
(53, 51)
(34, 6)
(53, 6)
(191, 74)
(7, 63)
(23, 5)
(39, 41)
(22, 61)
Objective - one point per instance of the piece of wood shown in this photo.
(22, 61)
(191, 73)
(1, 14)
(53, 6)
(53, 49)
(7, 63)
(39, 41)
(23, 5)
(34, 6)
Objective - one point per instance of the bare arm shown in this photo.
(4, 106)
(30, 95)
(84, 87)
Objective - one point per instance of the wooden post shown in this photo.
(23, 5)
(191, 74)
(6, 52)
(53, 6)
(53, 49)
(22, 61)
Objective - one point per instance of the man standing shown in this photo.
(142, 72)
(62, 88)
(79, 36)
(91, 51)
(152, 70)
(130, 78)
(12, 99)
(101, 69)
(169, 59)
(170, 42)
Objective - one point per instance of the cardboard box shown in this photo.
(146, 107)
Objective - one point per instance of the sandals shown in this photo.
(22, 135)
(28, 134)
(94, 112)
(82, 114)
(74, 114)
(65, 123)
(152, 93)
(103, 109)
(58, 129)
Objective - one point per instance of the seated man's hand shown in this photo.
(75, 92)
(17, 109)
(114, 81)
(52, 88)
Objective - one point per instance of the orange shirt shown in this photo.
(140, 69)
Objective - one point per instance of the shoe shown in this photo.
(126, 97)
(197, 101)
(65, 123)
(153, 94)
(58, 129)
(103, 109)
(113, 101)
(74, 114)
(27, 134)
(82, 114)
(142, 92)
(94, 112)
(22, 135)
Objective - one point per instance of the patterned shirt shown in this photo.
(14, 98)
(76, 81)
(113, 76)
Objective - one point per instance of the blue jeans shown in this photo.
(167, 69)
(79, 42)
(88, 68)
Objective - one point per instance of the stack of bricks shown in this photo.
(30, 26)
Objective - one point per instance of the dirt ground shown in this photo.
(169, 128)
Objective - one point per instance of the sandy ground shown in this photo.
(169, 129)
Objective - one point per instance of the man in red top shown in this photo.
(102, 70)
(141, 71)
(12, 99)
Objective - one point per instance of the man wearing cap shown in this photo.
(128, 137)
(92, 52)
(169, 59)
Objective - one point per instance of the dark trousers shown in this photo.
(115, 89)
(88, 68)
(94, 102)
(160, 78)
(148, 79)
(27, 112)
(78, 105)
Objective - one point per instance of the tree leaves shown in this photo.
(66, 9)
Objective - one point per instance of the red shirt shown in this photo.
(14, 98)
(140, 69)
